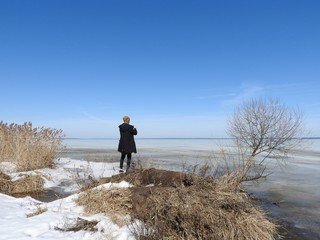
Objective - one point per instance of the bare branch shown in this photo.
(265, 127)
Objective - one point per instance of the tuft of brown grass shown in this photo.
(4, 176)
(168, 208)
(28, 147)
(26, 184)
(38, 211)
(78, 225)
(5, 183)
(113, 202)
(206, 210)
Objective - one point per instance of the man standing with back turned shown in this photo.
(127, 144)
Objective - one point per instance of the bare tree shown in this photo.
(266, 128)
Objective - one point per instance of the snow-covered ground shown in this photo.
(15, 224)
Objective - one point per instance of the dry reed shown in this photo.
(28, 147)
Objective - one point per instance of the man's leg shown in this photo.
(128, 160)
(123, 155)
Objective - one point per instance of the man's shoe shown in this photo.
(121, 170)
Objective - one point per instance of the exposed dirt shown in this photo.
(152, 177)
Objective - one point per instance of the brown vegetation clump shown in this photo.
(173, 205)
(113, 202)
(78, 225)
(5, 183)
(151, 176)
(38, 211)
(200, 212)
(4, 176)
(26, 184)
(28, 147)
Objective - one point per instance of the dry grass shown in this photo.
(5, 183)
(114, 202)
(26, 184)
(78, 225)
(202, 211)
(4, 176)
(29, 148)
(38, 211)
(208, 208)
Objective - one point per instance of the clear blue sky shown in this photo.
(178, 68)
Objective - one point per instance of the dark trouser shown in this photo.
(123, 155)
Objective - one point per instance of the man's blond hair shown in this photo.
(126, 119)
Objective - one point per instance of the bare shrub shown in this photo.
(29, 148)
(83, 177)
(266, 128)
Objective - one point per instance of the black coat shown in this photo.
(126, 142)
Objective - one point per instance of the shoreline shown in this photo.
(290, 232)
(287, 229)
(283, 216)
